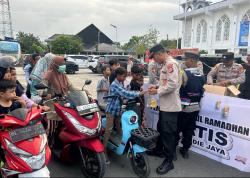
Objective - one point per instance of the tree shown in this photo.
(139, 44)
(67, 45)
(30, 43)
(171, 44)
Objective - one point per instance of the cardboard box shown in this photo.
(224, 91)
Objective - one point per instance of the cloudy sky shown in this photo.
(132, 17)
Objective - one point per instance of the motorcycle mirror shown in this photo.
(88, 82)
(40, 86)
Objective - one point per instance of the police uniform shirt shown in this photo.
(169, 86)
(235, 74)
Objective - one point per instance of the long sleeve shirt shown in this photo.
(169, 86)
(27, 71)
(235, 74)
(114, 104)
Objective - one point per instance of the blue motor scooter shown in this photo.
(135, 140)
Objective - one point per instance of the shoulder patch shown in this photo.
(170, 68)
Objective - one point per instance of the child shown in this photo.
(113, 66)
(5, 73)
(130, 65)
(137, 78)
(8, 99)
(135, 85)
(20, 90)
(113, 109)
(103, 87)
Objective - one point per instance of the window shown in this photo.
(226, 28)
(246, 17)
(188, 33)
(223, 26)
(198, 37)
(204, 31)
(201, 30)
(243, 52)
(218, 30)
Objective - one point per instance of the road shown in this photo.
(196, 166)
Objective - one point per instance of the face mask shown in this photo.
(61, 69)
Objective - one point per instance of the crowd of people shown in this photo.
(180, 89)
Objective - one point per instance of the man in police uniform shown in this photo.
(191, 93)
(170, 105)
(227, 73)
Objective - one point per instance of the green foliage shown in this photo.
(203, 52)
(30, 43)
(67, 45)
(171, 44)
(139, 44)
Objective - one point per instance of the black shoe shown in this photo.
(159, 154)
(184, 153)
(165, 167)
(175, 156)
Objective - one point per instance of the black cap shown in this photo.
(228, 56)
(192, 55)
(155, 49)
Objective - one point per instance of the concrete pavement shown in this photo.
(196, 166)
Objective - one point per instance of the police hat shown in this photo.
(227, 56)
(155, 49)
(191, 55)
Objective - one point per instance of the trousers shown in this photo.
(186, 125)
(167, 127)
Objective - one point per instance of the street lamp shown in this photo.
(98, 39)
(115, 34)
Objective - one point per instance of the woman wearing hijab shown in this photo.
(59, 84)
(37, 75)
(56, 77)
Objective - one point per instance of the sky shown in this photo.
(44, 18)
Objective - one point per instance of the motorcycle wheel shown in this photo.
(140, 164)
(94, 164)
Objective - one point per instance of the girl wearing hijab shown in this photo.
(37, 75)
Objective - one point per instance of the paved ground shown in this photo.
(196, 166)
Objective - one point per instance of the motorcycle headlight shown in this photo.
(16, 150)
(35, 162)
(82, 128)
(133, 120)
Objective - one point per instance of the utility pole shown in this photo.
(5, 19)
(115, 27)
(178, 31)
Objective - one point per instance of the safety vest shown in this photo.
(193, 91)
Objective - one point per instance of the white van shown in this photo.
(80, 60)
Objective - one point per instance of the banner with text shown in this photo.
(244, 33)
(223, 131)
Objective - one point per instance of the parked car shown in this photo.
(80, 60)
(122, 59)
(92, 62)
(71, 67)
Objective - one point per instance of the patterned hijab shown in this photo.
(41, 67)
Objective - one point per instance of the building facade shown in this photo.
(217, 27)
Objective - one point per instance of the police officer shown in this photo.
(191, 93)
(170, 105)
(228, 72)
